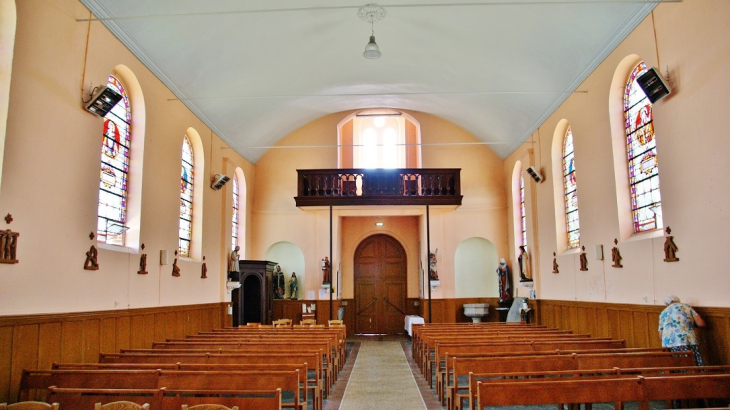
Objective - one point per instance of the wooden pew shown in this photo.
(260, 349)
(618, 390)
(437, 365)
(546, 363)
(575, 374)
(313, 385)
(169, 379)
(165, 399)
(325, 346)
(313, 359)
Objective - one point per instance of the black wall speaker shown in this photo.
(103, 101)
(653, 85)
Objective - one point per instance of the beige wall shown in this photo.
(693, 42)
(51, 173)
(276, 218)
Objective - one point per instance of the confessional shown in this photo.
(253, 301)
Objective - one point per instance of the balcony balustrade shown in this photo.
(404, 186)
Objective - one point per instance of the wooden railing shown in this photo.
(404, 186)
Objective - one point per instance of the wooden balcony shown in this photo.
(404, 186)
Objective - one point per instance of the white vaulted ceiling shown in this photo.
(255, 70)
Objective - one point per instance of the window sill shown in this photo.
(567, 252)
(657, 233)
(116, 248)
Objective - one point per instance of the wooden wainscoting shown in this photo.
(637, 324)
(452, 310)
(36, 341)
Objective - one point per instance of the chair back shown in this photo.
(121, 405)
(29, 405)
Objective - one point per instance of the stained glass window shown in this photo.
(186, 198)
(234, 225)
(112, 209)
(571, 193)
(641, 147)
(523, 226)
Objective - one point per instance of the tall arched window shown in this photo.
(571, 192)
(186, 198)
(523, 224)
(234, 222)
(115, 143)
(642, 156)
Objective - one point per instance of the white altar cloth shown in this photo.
(410, 320)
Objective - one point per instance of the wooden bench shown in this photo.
(327, 371)
(456, 392)
(595, 373)
(170, 379)
(166, 399)
(618, 390)
(313, 384)
(313, 359)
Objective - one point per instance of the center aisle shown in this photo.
(381, 379)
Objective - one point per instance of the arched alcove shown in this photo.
(7, 41)
(475, 266)
(291, 259)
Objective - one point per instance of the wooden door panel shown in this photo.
(366, 307)
(380, 285)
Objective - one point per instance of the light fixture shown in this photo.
(371, 13)
(378, 224)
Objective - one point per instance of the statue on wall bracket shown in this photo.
(8, 246)
(91, 262)
(616, 255)
(583, 259)
(670, 248)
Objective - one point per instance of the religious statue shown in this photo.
(233, 269)
(505, 290)
(278, 283)
(432, 269)
(8, 246)
(142, 264)
(326, 271)
(91, 263)
(175, 268)
(555, 263)
(293, 286)
(616, 255)
(670, 248)
(583, 259)
(524, 260)
(204, 270)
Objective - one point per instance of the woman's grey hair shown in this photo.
(671, 299)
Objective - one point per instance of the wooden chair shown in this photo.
(29, 405)
(334, 322)
(308, 322)
(208, 407)
(121, 405)
(282, 323)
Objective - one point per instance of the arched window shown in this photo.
(186, 198)
(523, 224)
(379, 138)
(115, 144)
(570, 191)
(234, 222)
(642, 156)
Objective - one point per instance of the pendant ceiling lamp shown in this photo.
(370, 14)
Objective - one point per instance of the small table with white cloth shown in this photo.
(410, 320)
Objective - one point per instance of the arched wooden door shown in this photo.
(380, 285)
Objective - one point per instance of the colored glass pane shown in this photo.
(642, 156)
(570, 190)
(523, 224)
(234, 224)
(186, 198)
(115, 143)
